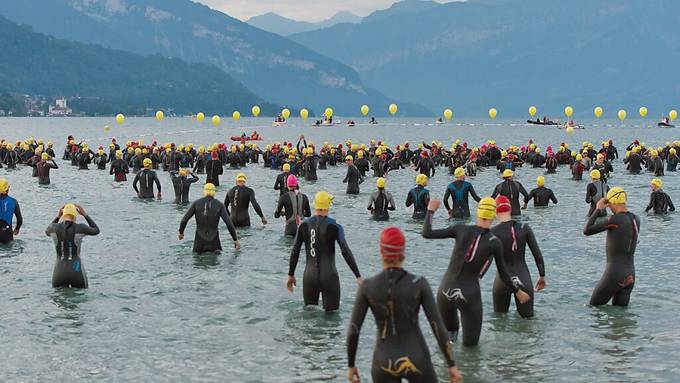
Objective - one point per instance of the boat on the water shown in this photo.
(245, 138)
(663, 124)
(540, 122)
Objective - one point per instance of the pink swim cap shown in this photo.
(292, 181)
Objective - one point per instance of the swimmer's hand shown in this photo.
(159, 196)
(291, 283)
(360, 280)
(80, 210)
(434, 205)
(525, 206)
(601, 204)
(264, 220)
(353, 375)
(522, 297)
(180, 236)
(540, 284)
(16, 232)
(237, 245)
(454, 375)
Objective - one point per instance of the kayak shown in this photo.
(665, 125)
(542, 123)
(575, 127)
(239, 138)
(278, 123)
(350, 124)
(440, 122)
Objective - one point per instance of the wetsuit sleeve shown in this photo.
(595, 226)
(536, 251)
(522, 190)
(187, 216)
(428, 232)
(358, 316)
(91, 229)
(52, 227)
(436, 322)
(279, 208)
(473, 193)
(256, 205)
(496, 191)
(193, 179)
(295, 252)
(447, 194)
(19, 217)
(346, 251)
(54, 165)
(344, 181)
(157, 182)
(651, 203)
(553, 198)
(277, 183)
(371, 199)
(227, 201)
(135, 182)
(531, 196)
(306, 210)
(392, 205)
(497, 249)
(589, 194)
(671, 207)
(227, 220)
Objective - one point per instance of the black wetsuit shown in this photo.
(101, 161)
(660, 202)
(617, 282)
(119, 169)
(595, 191)
(380, 202)
(295, 206)
(181, 186)
(635, 162)
(43, 168)
(419, 197)
(515, 237)
(9, 208)
(511, 189)
(238, 201)
(68, 237)
(208, 211)
(353, 178)
(146, 178)
(459, 290)
(426, 166)
(459, 191)
(281, 183)
(395, 297)
(213, 170)
(319, 235)
(310, 164)
(541, 196)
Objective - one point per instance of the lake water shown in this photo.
(155, 312)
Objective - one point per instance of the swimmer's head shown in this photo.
(209, 190)
(507, 173)
(392, 245)
(4, 186)
(323, 201)
(380, 183)
(421, 179)
(540, 181)
(241, 179)
(292, 182)
(286, 167)
(147, 163)
(459, 172)
(503, 207)
(616, 196)
(486, 211)
(595, 174)
(69, 212)
(656, 184)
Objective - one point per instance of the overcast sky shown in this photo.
(305, 10)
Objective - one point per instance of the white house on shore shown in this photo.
(60, 108)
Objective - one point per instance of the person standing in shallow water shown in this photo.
(238, 201)
(294, 205)
(146, 178)
(395, 297)
(9, 209)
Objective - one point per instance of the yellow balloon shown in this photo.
(643, 112)
(255, 111)
(569, 111)
(493, 113)
(200, 116)
(107, 128)
(328, 113)
(160, 115)
(448, 114)
(532, 111)
(570, 130)
(393, 109)
(304, 113)
(120, 119)
(598, 112)
(364, 110)
(216, 120)
(285, 113)
(622, 114)
(236, 115)
(673, 114)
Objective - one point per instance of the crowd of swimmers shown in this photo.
(394, 296)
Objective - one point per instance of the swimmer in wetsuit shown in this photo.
(395, 297)
(419, 197)
(294, 205)
(541, 195)
(68, 237)
(119, 168)
(353, 177)
(146, 178)
(319, 235)
(623, 230)
(181, 183)
(282, 180)
(515, 237)
(9, 209)
(44, 168)
(459, 191)
(208, 211)
(511, 189)
(380, 202)
(238, 201)
(659, 200)
(473, 253)
(595, 191)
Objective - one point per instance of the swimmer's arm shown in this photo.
(409, 199)
(187, 216)
(54, 164)
(135, 182)
(92, 229)
(279, 207)
(346, 251)
(651, 203)
(536, 251)
(371, 199)
(256, 205)
(589, 194)
(436, 322)
(358, 316)
(473, 193)
(52, 227)
(193, 178)
(553, 198)
(428, 232)
(19, 217)
(277, 183)
(496, 191)
(306, 211)
(349, 170)
(447, 194)
(522, 190)
(392, 206)
(158, 183)
(295, 252)
(595, 226)
(230, 225)
(671, 207)
(227, 201)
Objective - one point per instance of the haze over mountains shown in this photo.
(272, 22)
(510, 54)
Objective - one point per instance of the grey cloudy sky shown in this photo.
(306, 10)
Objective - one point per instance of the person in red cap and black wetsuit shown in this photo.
(395, 297)
(515, 237)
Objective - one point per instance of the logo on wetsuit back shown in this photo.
(627, 281)
(312, 241)
(401, 367)
(454, 295)
(517, 282)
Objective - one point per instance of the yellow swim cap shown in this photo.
(487, 208)
(540, 181)
(209, 190)
(183, 172)
(595, 174)
(507, 173)
(147, 162)
(323, 200)
(349, 158)
(616, 196)
(119, 154)
(459, 172)
(579, 157)
(241, 177)
(286, 167)
(504, 153)
(380, 183)
(421, 179)
(45, 156)
(672, 151)
(70, 210)
(378, 152)
(657, 182)
(360, 153)
(4, 186)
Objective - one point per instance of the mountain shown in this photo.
(272, 22)
(400, 8)
(109, 81)
(511, 54)
(272, 66)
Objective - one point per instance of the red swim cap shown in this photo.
(392, 243)
(503, 204)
